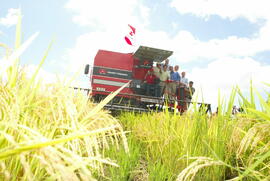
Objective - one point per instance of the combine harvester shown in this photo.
(112, 70)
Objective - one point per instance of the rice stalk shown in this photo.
(190, 172)
(255, 137)
(7, 49)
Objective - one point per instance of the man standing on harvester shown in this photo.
(175, 78)
(164, 77)
(190, 91)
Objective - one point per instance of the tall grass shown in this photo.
(49, 132)
(169, 140)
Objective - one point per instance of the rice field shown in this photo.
(49, 132)
(196, 146)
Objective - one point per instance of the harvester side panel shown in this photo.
(111, 70)
(109, 84)
(121, 61)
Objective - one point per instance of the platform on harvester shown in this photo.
(142, 103)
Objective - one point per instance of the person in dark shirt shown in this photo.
(171, 71)
(190, 92)
(150, 81)
(175, 78)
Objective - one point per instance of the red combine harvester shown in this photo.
(112, 70)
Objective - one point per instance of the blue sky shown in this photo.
(218, 43)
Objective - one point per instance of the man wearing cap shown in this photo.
(184, 80)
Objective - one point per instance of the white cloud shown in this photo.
(30, 69)
(88, 44)
(225, 73)
(187, 48)
(11, 17)
(174, 25)
(106, 15)
(193, 49)
(45, 76)
(231, 46)
(232, 9)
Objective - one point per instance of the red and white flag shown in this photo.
(130, 37)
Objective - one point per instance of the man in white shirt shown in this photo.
(184, 80)
(164, 76)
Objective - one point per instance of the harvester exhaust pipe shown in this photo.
(86, 69)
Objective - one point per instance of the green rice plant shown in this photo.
(128, 163)
(166, 137)
(49, 132)
(247, 154)
(253, 147)
(158, 171)
(190, 172)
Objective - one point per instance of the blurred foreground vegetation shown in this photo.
(50, 132)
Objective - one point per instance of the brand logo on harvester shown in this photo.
(102, 71)
(117, 73)
(114, 73)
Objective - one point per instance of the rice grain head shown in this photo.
(189, 173)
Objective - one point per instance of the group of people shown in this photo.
(164, 79)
